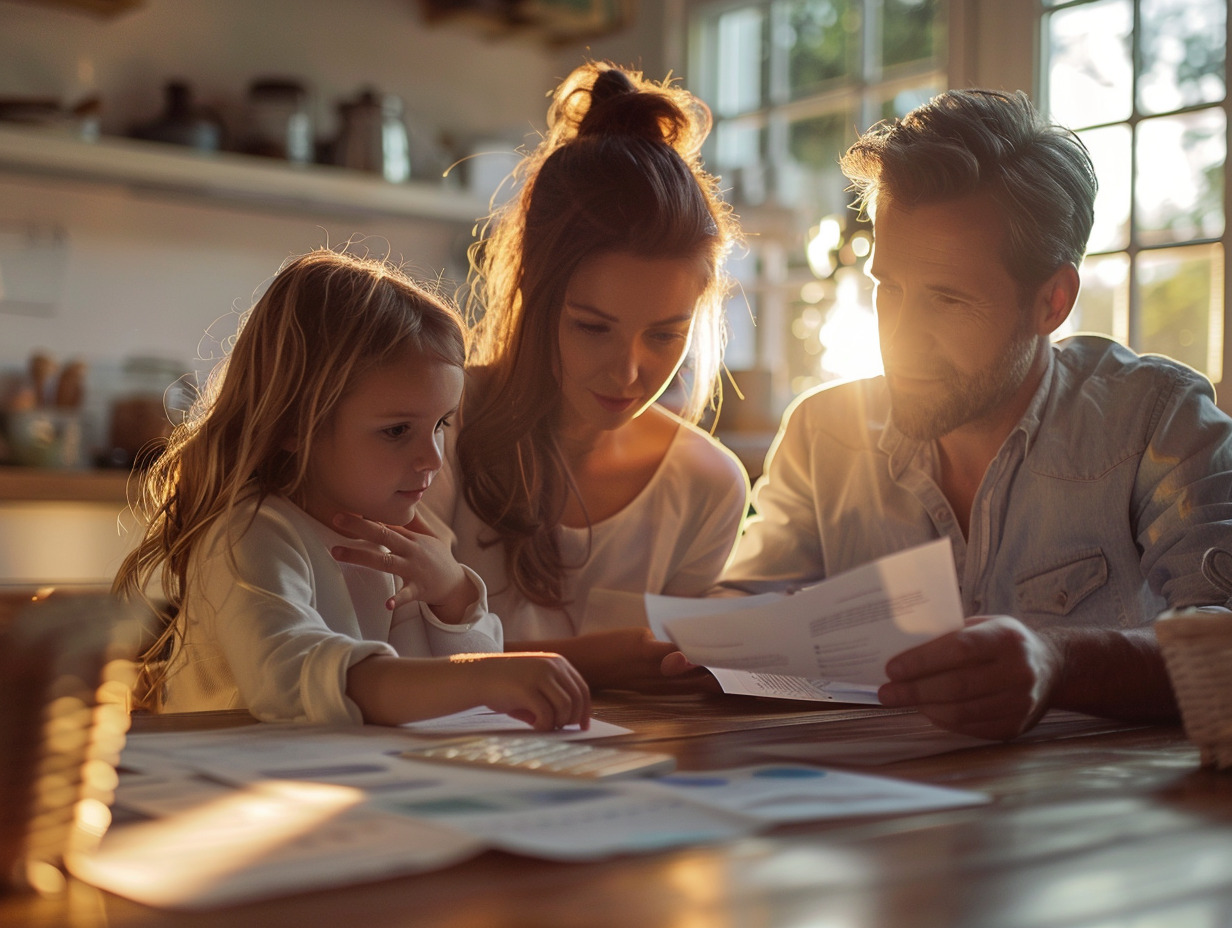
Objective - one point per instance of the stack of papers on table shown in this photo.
(215, 818)
(830, 641)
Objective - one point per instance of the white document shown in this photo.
(571, 820)
(658, 609)
(837, 634)
(364, 757)
(267, 810)
(775, 793)
(564, 819)
(483, 720)
(266, 839)
(784, 686)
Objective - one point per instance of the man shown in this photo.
(1080, 485)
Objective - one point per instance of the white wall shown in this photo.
(147, 275)
(153, 277)
(449, 77)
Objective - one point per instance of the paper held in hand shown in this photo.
(829, 641)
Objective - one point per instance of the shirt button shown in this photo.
(941, 515)
(1062, 598)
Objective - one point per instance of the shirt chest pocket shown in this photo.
(1058, 590)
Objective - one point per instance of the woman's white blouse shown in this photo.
(673, 538)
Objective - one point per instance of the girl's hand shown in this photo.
(424, 563)
(541, 689)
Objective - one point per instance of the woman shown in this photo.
(572, 491)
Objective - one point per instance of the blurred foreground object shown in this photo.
(66, 677)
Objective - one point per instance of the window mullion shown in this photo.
(809, 97)
(1135, 291)
(870, 60)
(779, 79)
(1227, 212)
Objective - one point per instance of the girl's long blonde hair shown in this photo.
(619, 171)
(326, 318)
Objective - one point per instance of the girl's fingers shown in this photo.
(565, 704)
(408, 594)
(582, 698)
(541, 711)
(558, 701)
(350, 555)
(387, 561)
(394, 533)
(570, 694)
(376, 532)
(419, 527)
(582, 711)
(357, 527)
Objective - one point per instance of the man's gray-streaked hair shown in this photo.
(973, 141)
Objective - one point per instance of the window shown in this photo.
(1144, 82)
(791, 84)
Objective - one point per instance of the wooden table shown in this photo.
(1099, 825)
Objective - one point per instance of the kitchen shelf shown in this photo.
(30, 484)
(101, 7)
(267, 184)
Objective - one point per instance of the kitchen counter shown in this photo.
(20, 484)
(62, 528)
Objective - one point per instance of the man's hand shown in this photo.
(992, 679)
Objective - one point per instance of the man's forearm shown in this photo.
(1112, 673)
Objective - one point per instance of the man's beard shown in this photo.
(965, 397)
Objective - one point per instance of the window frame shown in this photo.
(769, 230)
(990, 43)
(1134, 248)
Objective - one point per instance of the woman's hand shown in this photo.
(541, 689)
(629, 659)
(424, 563)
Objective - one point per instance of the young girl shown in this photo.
(281, 522)
(569, 481)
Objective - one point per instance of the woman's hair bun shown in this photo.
(603, 100)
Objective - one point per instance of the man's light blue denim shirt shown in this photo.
(1096, 511)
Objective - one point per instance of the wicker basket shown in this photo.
(64, 686)
(1197, 648)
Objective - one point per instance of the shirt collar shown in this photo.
(1029, 424)
(901, 450)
